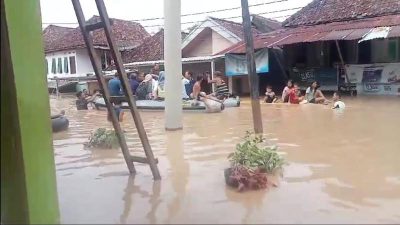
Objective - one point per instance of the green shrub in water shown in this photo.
(103, 138)
(252, 155)
(251, 163)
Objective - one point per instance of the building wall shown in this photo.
(83, 64)
(202, 48)
(219, 43)
(50, 57)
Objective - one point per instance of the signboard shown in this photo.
(379, 79)
(327, 77)
(236, 64)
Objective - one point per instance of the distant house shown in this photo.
(340, 41)
(200, 47)
(65, 48)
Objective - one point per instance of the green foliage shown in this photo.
(253, 156)
(103, 138)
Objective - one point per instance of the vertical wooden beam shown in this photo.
(341, 60)
(28, 178)
(251, 68)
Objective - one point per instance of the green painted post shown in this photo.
(28, 181)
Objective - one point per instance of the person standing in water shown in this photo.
(114, 86)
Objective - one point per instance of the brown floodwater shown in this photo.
(343, 167)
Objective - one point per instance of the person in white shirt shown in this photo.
(337, 103)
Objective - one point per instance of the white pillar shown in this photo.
(230, 84)
(173, 64)
(212, 75)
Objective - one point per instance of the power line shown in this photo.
(189, 14)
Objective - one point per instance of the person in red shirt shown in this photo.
(295, 95)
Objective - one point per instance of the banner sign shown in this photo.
(379, 79)
(327, 77)
(236, 64)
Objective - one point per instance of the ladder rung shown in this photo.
(142, 159)
(94, 26)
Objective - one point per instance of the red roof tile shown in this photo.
(126, 33)
(235, 28)
(326, 11)
(150, 50)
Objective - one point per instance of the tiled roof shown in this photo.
(150, 50)
(127, 35)
(346, 30)
(264, 24)
(52, 33)
(326, 11)
(235, 28)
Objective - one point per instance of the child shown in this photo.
(337, 103)
(295, 95)
(270, 96)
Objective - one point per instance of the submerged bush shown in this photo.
(103, 138)
(251, 163)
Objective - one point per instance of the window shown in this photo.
(66, 65)
(59, 65)
(46, 65)
(53, 66)
(72, 64)
(393, 53)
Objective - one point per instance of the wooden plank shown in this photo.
(94, 26)
(142, 159)
(251, 68)
(127, 90)
(103, 84)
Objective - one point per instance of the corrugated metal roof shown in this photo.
(349, 30)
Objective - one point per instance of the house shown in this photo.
(338, 42)
(65, 48)
(199, 47)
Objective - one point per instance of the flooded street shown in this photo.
(343, 167)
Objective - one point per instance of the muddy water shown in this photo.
(343, 167)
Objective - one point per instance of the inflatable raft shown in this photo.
(59, 123)
(153, 105)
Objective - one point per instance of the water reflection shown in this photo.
(179, 171)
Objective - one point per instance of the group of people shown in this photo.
(292, 94)
(151, 86)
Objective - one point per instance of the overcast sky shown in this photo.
(61, 12)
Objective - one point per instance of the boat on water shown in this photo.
(187, 105)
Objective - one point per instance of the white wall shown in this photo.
(219, 43)
(83, 64)
(202, 47)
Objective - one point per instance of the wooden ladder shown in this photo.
(116, 55)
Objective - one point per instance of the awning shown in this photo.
(375, 33)
(199, 59)
(369, 28)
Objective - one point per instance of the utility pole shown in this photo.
(173, 64)
(251, 69)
